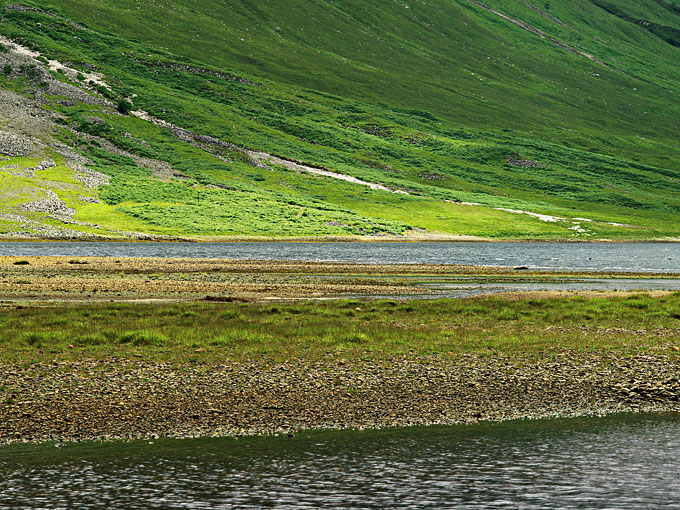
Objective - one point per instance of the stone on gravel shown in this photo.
(13, 144)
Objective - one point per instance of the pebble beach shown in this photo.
(132, 399)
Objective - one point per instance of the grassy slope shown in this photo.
(413, 98)
(452, 59)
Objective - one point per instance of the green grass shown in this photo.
(438, 99)
(355, 329)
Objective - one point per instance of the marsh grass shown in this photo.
(350, 328)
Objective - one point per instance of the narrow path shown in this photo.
(540, 33)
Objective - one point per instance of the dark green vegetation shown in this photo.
(626, 325)
(566, 109)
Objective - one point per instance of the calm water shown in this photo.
(616, 462)
(573, 256)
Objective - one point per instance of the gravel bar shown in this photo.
(130, 399)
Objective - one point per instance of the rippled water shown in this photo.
(615, 462)
(572, 256)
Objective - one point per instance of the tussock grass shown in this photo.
(348, 328)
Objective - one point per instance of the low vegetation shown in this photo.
(350, 329)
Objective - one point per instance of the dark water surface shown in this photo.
(619, 462)
(570, 256)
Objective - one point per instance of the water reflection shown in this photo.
(615, 462)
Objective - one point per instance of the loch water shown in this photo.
(615, 462)
(639, 257)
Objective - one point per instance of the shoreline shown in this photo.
(230, 358)
(122, 399)
(434, 238)
(52, 279)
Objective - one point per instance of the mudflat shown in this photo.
(175, 279)
(103, 348)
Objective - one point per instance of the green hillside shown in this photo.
(503, 119)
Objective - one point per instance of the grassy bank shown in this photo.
(350, 329)
(209, 310)
(106, 348)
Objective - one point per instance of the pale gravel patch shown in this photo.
(15, 145)
(15, 171)
(29, 172)
(160, 169)
(542, 217)
(45, 164)
(29, 228)
(89, 200)
(54, 65)
(258, 159)
(52, 205)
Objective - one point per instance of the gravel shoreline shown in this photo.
(129, 399)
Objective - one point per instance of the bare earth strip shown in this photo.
(265, 158)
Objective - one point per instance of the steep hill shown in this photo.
(502, 119)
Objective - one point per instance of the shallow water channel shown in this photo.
(624, 461)
(476, 287)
